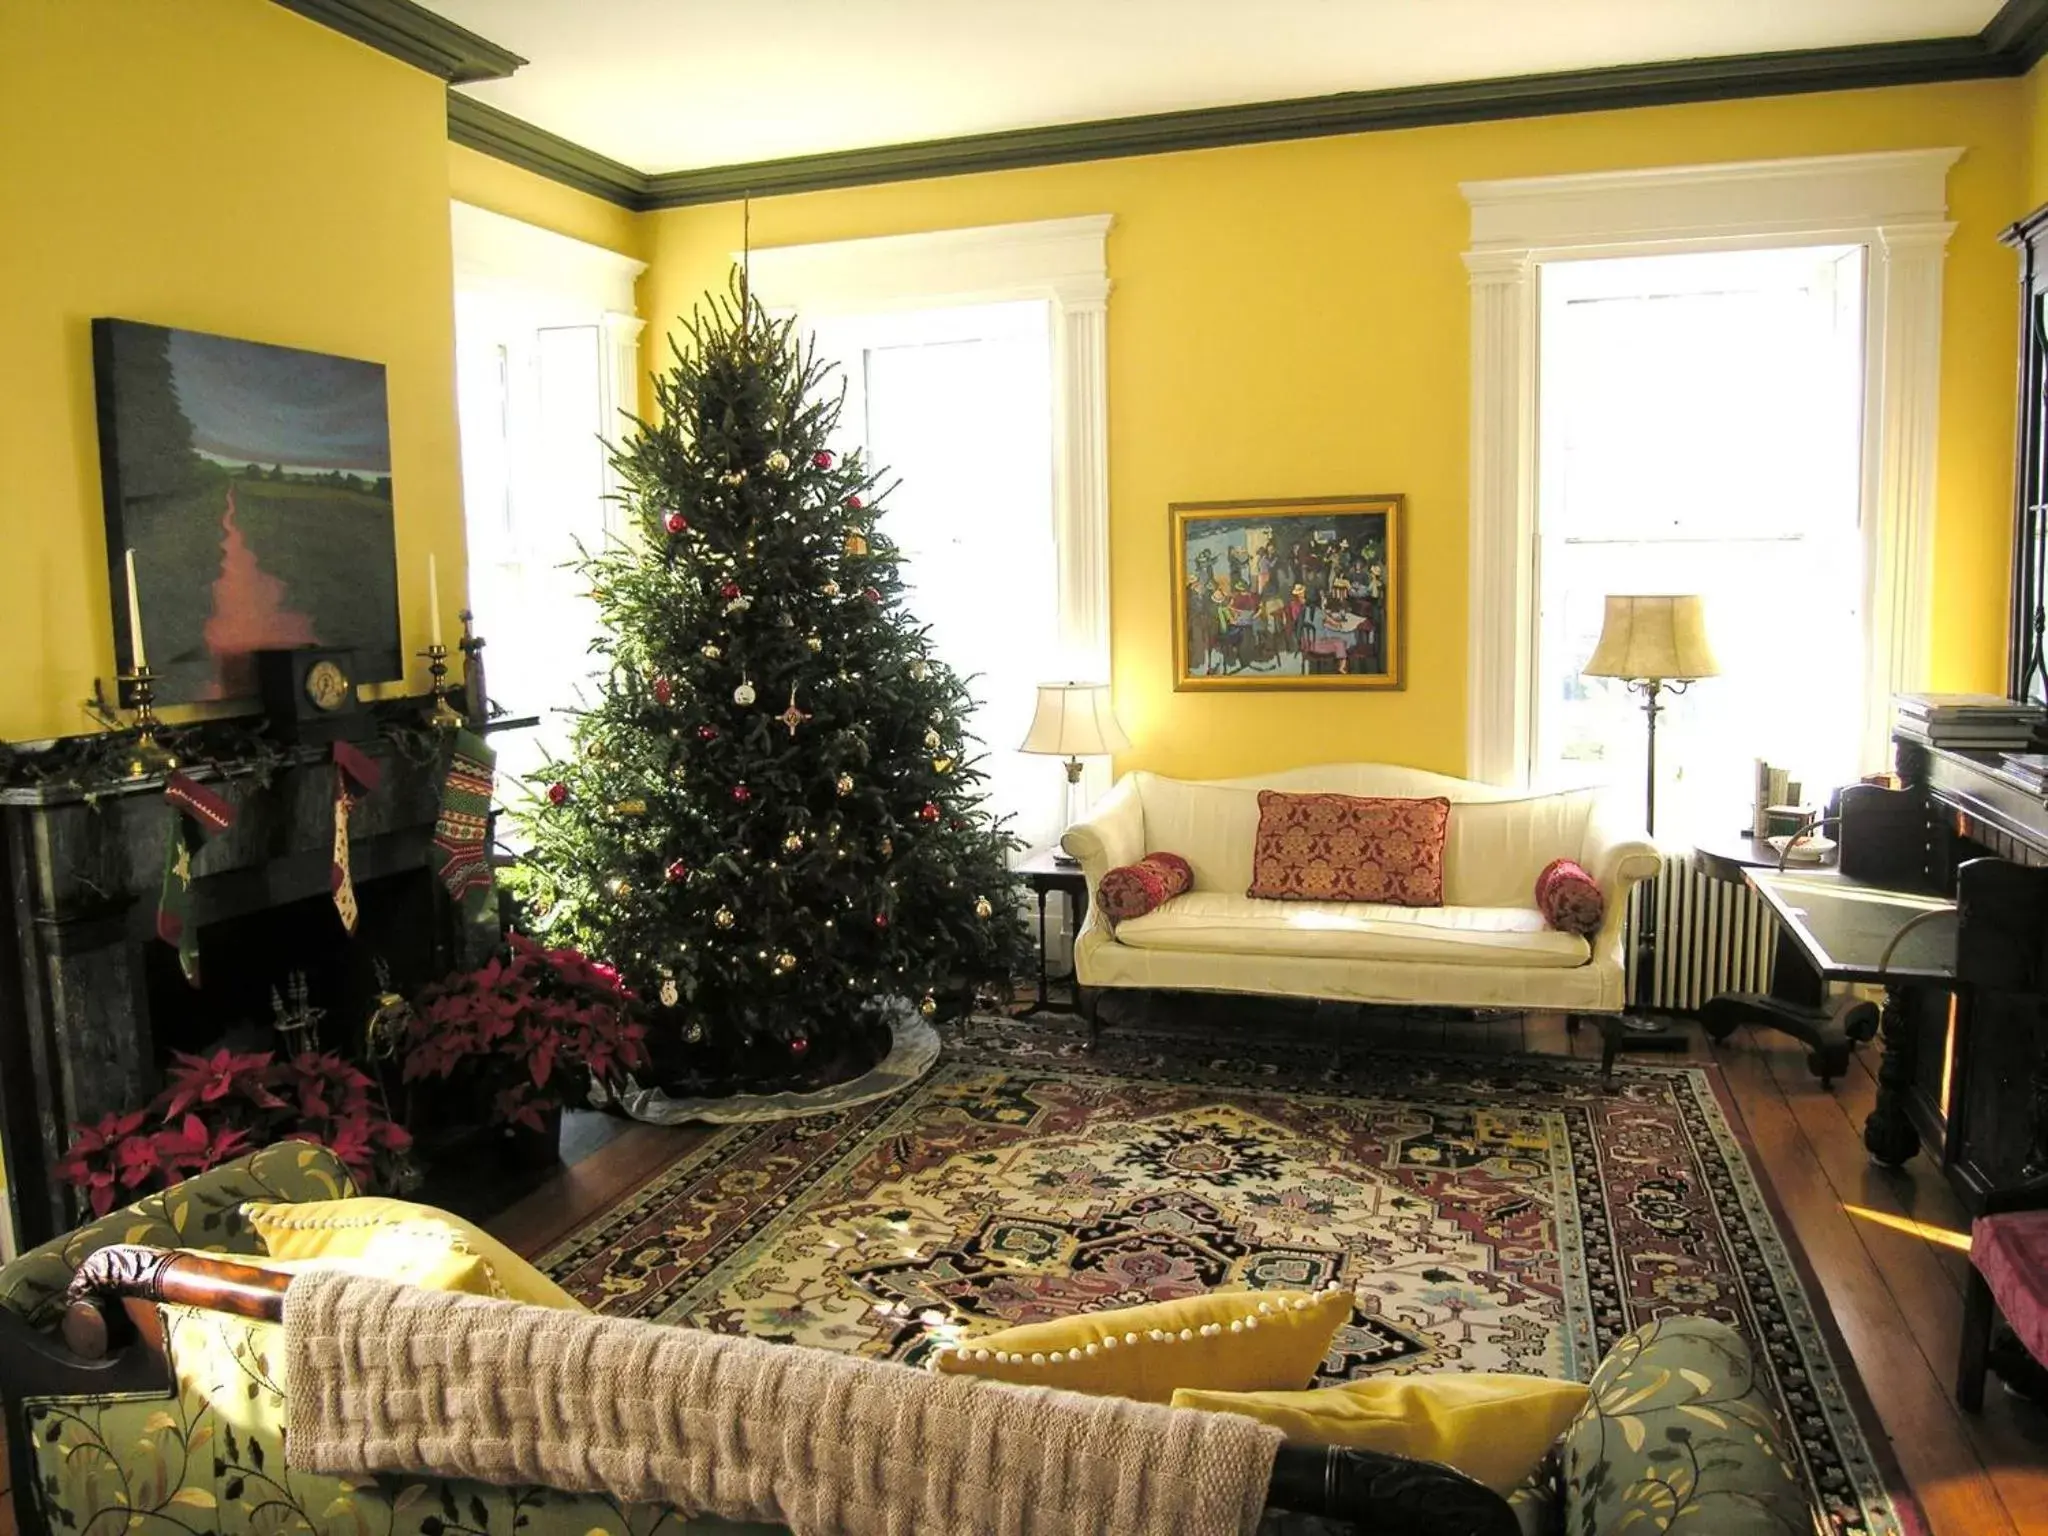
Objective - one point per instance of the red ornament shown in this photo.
(822, 458)
(677, 872)
(675, 522)
(707, 733)
(881, 919)
(872, 595)
(729, 590)
(855, 502)
(929, 813)
(800, 1045)
(741, 793)
(557, 793)
(664, 690)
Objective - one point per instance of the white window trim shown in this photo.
(496, 254)
(1893, 204)
(1061, 261)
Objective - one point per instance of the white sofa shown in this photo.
(1486, 947)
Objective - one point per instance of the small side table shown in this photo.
(1044, 874)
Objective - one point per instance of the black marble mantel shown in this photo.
(78, 908)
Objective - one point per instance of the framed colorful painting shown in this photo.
(1303, 593)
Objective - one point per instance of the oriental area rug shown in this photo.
(1489, 1213)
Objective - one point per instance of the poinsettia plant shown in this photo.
(533, 1026)
(215, 1107)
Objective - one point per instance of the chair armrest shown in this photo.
(1617, 855)
(1677, 1405)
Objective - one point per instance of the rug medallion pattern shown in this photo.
(1491, 1214)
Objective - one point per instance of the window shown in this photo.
(955, 405)
(1700, 430)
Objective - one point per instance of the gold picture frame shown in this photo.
(1298, 593)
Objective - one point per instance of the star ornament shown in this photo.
(792, 716)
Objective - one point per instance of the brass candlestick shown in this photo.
(149, 755)
(442, 716)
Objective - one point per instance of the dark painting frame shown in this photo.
(1301, 593)
(254, 484)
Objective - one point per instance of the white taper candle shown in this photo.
(433, 601)
(140, 658)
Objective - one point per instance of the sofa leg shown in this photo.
(1571, 1023)
(1091, 1010)
(1978, 1310)
(1610, 1042)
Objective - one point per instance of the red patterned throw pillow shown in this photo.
(1132, 890)
(1570, 899)
(1350, 848)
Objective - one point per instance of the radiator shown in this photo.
(1710, 936)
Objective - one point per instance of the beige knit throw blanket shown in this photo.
(388, 1378)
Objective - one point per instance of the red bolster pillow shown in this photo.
(1132, 890)
(1570, 899)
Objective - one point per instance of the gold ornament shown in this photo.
(794, 843)
(830, 589)
(888, 847)
(844, 784)
(792, 716)
(723, 917)
(695, 1032)
(733, 477)
(712, 653)
(739, 604)
(620, 887)
(982, 909)
(634, 807)
(744, 694)
(814, 643)
(785, 962)
(856, 545)
(920, 669)
(931, 741)
(942, 765)
(929, 1006)
(777, 461)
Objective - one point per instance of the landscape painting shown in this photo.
(1288, 594)
(253, 483)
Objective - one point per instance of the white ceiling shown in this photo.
(668, 85)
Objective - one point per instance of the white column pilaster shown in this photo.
(1080, 322)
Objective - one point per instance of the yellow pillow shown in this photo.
(1490, 1427)
(1228, 1341)
(375, 1227)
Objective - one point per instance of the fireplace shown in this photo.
(92, 1003)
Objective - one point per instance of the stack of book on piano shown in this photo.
(2030, 768)
(1966, 721)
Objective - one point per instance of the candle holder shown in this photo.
(148, 755)
(442, 716)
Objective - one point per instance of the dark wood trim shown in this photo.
(2008, 46)
(414, 35)
(480, 126)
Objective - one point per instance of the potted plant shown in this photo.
(522, 1035)
(218, 1106)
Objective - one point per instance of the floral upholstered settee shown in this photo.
(184, 1436)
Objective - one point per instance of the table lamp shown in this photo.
(1074, 720)
(1653, 644)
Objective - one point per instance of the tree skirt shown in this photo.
(914, 1046)
(1495, 1213)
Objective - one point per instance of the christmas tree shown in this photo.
(770, 821)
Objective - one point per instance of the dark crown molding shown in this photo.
(414, 34)
(2012, 42)
(480, 126)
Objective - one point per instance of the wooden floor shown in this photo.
(1887, 1247)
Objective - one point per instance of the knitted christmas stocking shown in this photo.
(196, 814)
(460, 831)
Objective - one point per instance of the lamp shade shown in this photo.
(1074, 720)
(1654, 637)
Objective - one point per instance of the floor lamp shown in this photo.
(1655, 645)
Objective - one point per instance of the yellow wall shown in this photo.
(228, 167)
(477, 178)
(1292, 319)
